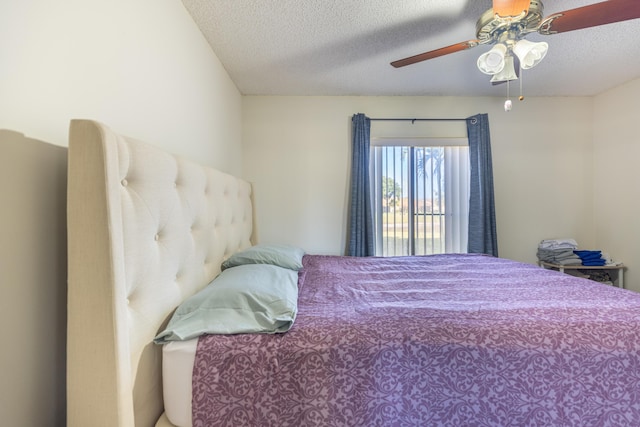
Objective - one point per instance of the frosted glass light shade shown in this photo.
(492, 62)
(530, 53)
(508, 71)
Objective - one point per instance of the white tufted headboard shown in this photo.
(146, 229)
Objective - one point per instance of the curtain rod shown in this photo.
(419, 120)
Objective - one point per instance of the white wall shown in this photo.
(33, 275)
(143, 68)
(616, 201)
(297, 154)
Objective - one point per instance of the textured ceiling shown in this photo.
(332, 47)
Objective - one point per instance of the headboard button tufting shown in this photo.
(153, 276)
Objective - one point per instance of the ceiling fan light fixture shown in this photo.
(493, 61)
(509, 21)
(507, 73)
(529, 53)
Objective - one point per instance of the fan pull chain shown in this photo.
(507, 103)
(521, 98)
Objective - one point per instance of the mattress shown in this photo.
(177, 367)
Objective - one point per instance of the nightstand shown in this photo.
(616, 271)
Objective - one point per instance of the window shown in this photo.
(420, 195)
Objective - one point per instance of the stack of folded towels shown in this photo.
(591, 258)
(565, 252)
(559, 251)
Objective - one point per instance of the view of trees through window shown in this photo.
(410, 201)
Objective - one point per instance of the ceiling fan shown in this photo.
(507, 24)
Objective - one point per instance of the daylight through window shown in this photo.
(420, 197)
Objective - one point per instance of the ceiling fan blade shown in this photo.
(505, 8)
(593, 15)
(435, 53)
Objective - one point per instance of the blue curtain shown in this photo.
(482, 213)
(361, 212)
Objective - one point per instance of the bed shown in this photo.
(437, 340)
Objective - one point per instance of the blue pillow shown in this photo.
(284, 256)
(253, 298)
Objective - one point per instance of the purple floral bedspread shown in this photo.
(444, 340)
